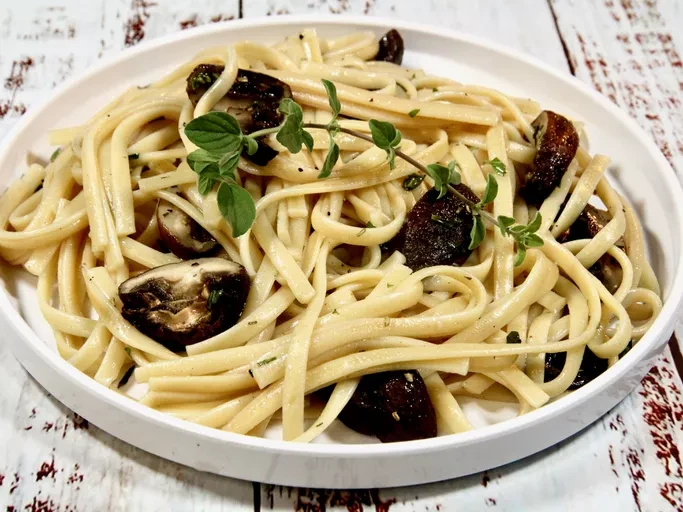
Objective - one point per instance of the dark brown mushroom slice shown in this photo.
(587, 225)
(556, 143)
(254, 100)
(181, 234)
(393, 406)
(391, 47)
(184, 303)
(591, 366)
(436, 231)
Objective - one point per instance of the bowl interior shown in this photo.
(636, 171)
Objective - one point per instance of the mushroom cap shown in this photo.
(184, 303)
(391, 47)
(181, 234)
(394, 406)
(426, 242)
(556, 144)
(253, 99)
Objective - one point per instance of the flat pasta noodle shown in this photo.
(332, 299)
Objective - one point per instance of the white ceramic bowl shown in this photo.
(639, 171)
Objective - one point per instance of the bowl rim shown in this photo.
(653, 340)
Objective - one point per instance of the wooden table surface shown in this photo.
(52, 460)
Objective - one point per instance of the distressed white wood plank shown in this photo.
(52, 458)
(45, 42)
(527, 25)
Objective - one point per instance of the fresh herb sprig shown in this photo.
(221, 142)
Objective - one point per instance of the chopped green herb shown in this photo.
(367, 226)
(253, 322)
(412, 181)
(414, 112)
(264, 362)
(435, 89)
(498, 166)
(128, 350)
(319, 425)
(335, 312)
(214, 298)
(55, 154)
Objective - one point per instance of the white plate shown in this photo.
(639, 171)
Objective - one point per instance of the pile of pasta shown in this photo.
(326, 304)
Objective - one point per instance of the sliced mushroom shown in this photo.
(393, 406)
(181, 234)
(253, 100)
(556, 144)
(436, 231)
(184, 303)
(591, 366)
(391, 47)
(587, 225)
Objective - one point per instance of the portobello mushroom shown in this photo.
(181, 234)
(184, 303)
(556, 144)
(587, 225)
(391, 47)
(436, 231)
(253, 100)
(393, 406)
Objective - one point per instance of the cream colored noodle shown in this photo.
(327, 305)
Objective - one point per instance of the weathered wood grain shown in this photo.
(51, 460)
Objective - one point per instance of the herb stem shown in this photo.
(486, 215)
(265, 131)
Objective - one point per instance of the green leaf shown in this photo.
(391, 157)
(330, 160)
(533, 240)
(504, 223)
(441, 176)
(521, 254)
(535, 223)
(307, 139)
(412, 181)
(199, 159)
(237, 207)
(291, 135)
(228, 164)
(205, 183)
(498, 166)
(478, 232)
(384, 134)
(215, 131)
(386, 137)
(413, 113)
(490, 192)
(455, 177)
(250, 144)
(518, 229)
(335, 104)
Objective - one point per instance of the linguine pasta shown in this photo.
(328, 303)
